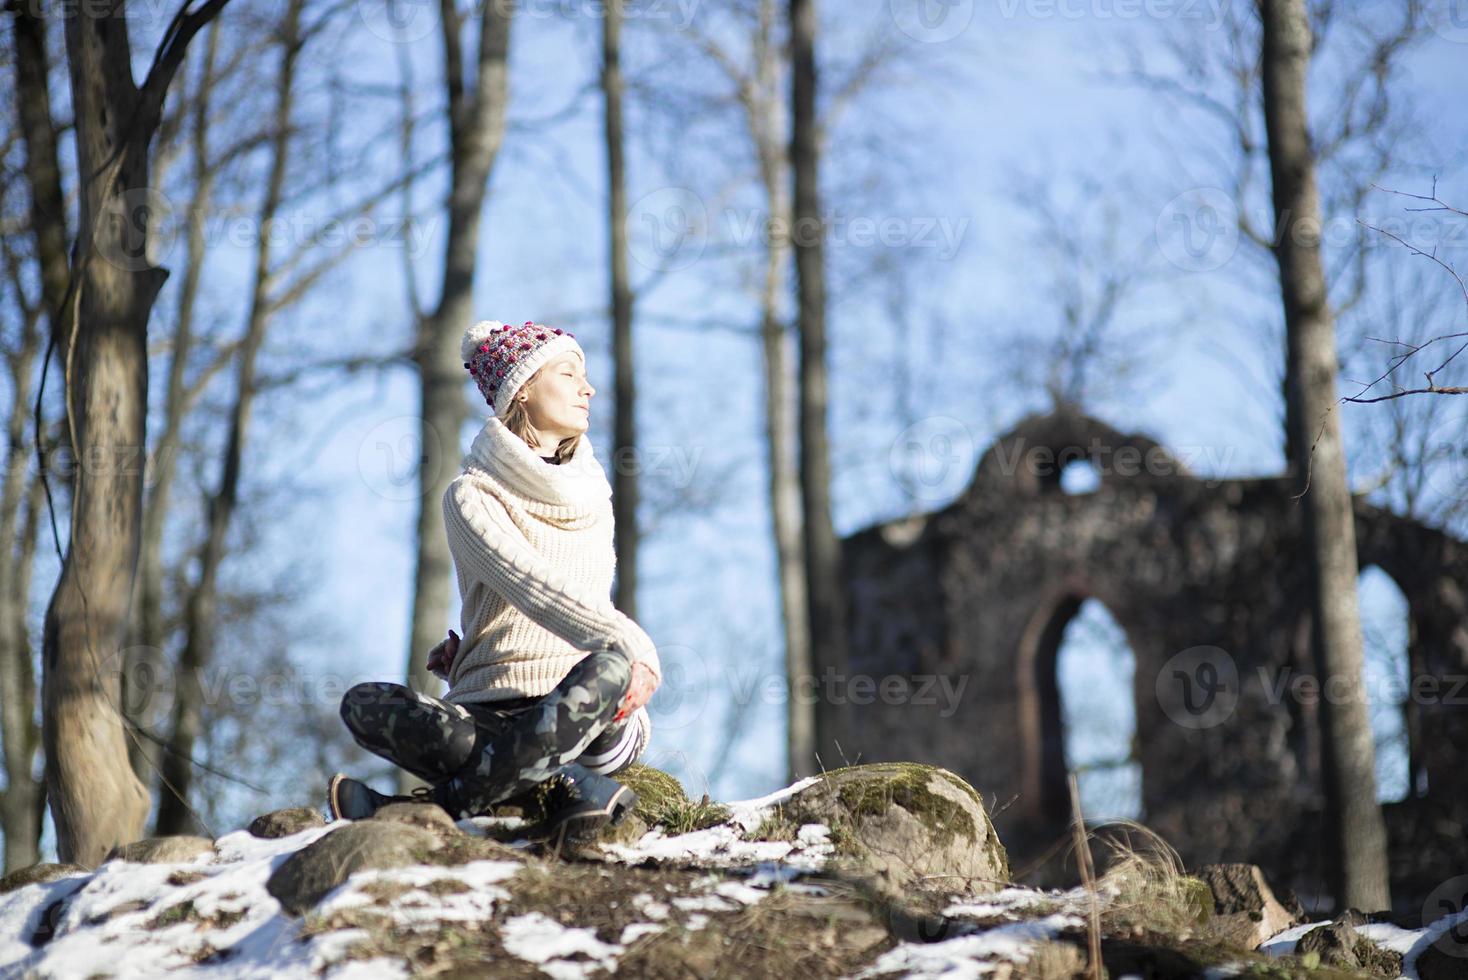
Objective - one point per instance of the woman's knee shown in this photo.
(619, 746)
(370, 696)
(605, 675)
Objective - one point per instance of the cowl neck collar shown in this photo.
(572, 488)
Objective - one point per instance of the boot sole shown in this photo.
(333, 805)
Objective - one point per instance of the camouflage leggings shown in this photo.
(480, 754)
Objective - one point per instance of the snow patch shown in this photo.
(541, 940)
(972, 955)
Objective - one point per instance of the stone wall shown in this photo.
(1208, 581)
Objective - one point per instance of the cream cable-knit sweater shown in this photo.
(532, 548)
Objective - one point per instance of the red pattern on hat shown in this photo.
(506, 347)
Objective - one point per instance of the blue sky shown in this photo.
(1016, 95)
(1012, 95)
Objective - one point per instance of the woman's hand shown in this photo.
(441, 657)
(638, 692)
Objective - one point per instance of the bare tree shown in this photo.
(23, 800)
(174, 814)
(1453, 343)
(1359, 838)
(100, 327)
(1080, 248)
(476, 127)
(825, 593)
(727, 73)
(1365, 124)
(625, 477)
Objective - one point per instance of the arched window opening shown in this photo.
(1095, 666)
(1384, 638)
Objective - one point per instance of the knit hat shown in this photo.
(502, 358)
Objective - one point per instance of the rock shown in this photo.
(902, 822)
(37, 874)
(308, 874)
(429, 816)
(1338, 944)
(283, 823)
(1246, 911)
(1334, 943)
(162, 850)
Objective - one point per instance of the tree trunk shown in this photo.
(175, 816)
(1359, 834)
(147, 657)
(96, 800)
(767, 126)
(822, 548)
(23, 798)
(22, 806)
(625, 472)
(476, 130)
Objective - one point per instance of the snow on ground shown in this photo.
(212, 916)
(1013, 903)
(726, 846)
(1409, 942)
(971, 955)
(126, 919)
(541, 940)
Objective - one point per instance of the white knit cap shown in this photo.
(502, 358)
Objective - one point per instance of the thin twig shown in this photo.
(1088, 878)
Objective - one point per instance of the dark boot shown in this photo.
(352, 799)
(578, 802)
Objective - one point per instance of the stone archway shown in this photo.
(974, 592)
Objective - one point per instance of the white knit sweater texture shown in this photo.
(532, 549)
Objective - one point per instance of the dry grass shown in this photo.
(1145, 887)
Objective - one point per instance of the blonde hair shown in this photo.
(517, 420)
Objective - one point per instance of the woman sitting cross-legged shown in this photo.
(551, 680)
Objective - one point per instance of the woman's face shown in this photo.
(559, 403)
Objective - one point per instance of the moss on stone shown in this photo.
(870, 790)
(654, 788)
(661, 801)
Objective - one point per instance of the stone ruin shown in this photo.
(1207, 579)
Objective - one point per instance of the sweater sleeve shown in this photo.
(493, 550)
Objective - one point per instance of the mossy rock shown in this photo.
(905, 822)
(36, 874)
(428, 816)
(284, 823)
(1339, 945)
(162, 850)
(305, 877)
